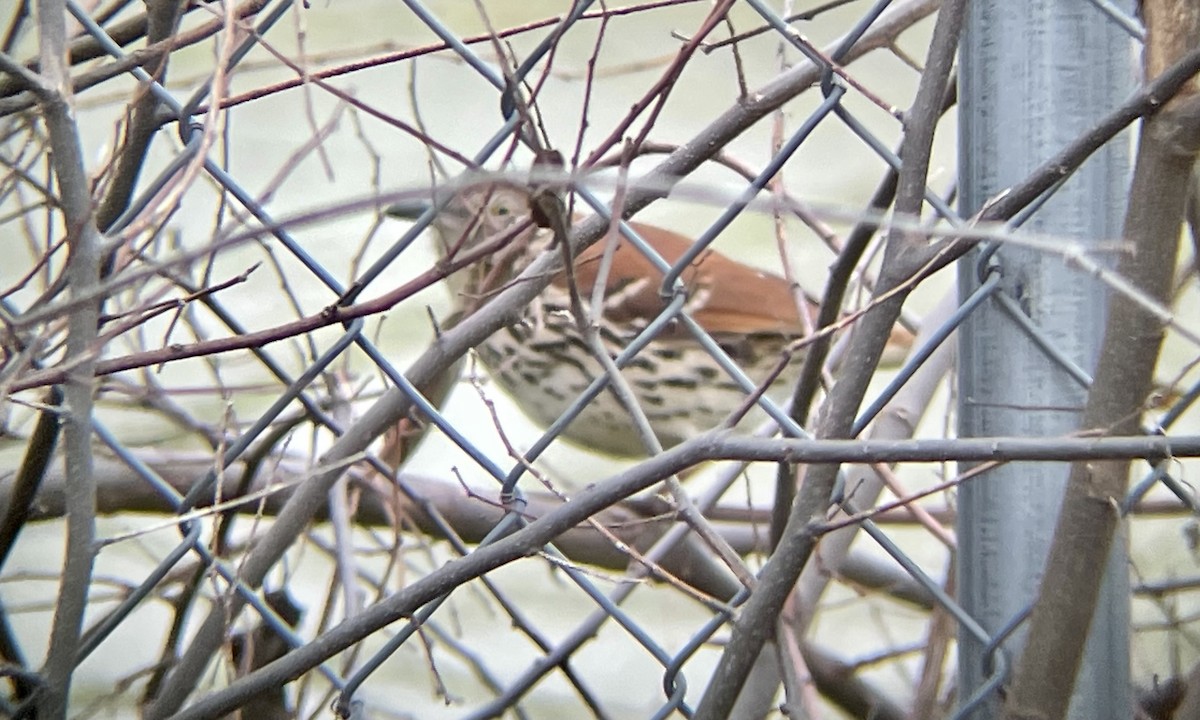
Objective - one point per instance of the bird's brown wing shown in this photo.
(725, 296)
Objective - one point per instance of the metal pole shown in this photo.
(1034, 75)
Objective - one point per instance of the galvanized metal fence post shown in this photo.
(1035, 75)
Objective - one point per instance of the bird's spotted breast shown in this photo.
(545, 365)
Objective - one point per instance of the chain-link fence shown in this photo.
(335, 378)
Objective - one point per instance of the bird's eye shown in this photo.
(499, 210)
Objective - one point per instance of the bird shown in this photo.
(543, 361)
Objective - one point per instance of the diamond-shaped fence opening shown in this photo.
(556, 359)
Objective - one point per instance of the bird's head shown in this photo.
(474, 217)
(487, 227)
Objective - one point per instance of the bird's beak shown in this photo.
(409, 209)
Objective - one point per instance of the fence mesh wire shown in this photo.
(311, 490)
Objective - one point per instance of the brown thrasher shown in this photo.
(543, 361)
